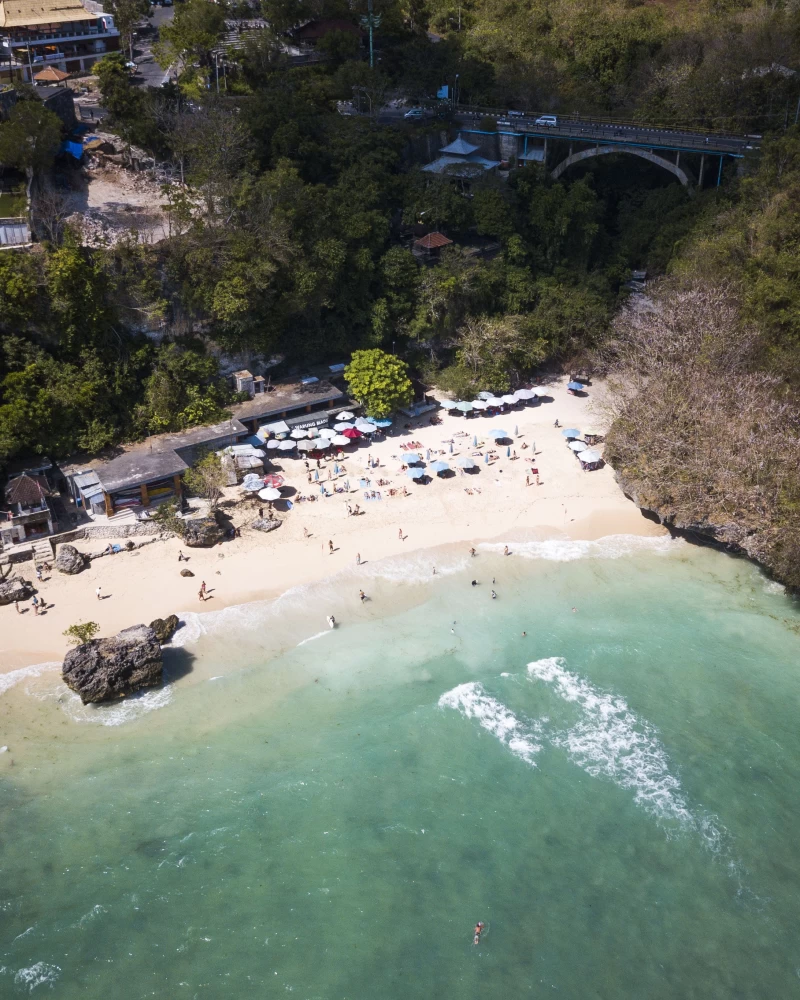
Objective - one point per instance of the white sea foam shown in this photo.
(311, 638)
(96, 911)
(472, 701)
(568, 550)
(610, 741)
(415, 568)
(118, 713)
(40, 974)
(13, 677)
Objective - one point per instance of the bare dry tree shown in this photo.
(50, 209)
(700, 435)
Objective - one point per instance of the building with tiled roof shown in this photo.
(28, 515)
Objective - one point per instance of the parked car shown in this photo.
(548, 121)
(414, 113)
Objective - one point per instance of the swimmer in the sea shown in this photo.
(494, 596)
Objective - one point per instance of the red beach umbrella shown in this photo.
(273, 480)
(352, 433)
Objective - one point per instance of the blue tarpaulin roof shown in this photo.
(75, 149)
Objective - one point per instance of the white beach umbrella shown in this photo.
(577, 446)
(590, 456)
(494, 401)
(479, 404)
(312, 432)
(509, 400)
(306, 445)
(328, 432)
(269, 493)
(524, 394)
(465, 462)
(340, 441)
(287, 445)
(345, 415)
(343, 426)
(273, 443)
(539, 391)
(298, 434)
(365, 427)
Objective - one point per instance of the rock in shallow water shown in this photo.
(164, 628)
(106, 669)
(69, 560)
(15, 589)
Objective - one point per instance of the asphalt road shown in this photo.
(150, 73)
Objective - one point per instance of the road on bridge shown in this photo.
(615, 133)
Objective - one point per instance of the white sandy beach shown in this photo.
(142, 585)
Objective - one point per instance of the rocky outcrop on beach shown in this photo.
(69, 560)
(265, 524)
(164, 628)
(15, 589)
(186, 572)
(202, 532)
(108, 669)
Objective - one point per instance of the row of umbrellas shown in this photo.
(580, 448)
(486, 400)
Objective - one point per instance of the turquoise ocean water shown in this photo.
(327, 814)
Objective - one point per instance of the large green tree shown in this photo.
(379, 381)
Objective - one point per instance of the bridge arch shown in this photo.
(645, 154)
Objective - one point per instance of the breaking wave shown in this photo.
(472, 701)
(568, 550)
(13, 677)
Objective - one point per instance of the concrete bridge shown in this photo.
(688, 154)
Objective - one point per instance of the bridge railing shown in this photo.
(571, 118)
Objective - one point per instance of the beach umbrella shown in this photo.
(320, 444)
(269, 494)
(313, 432)
(574, 385)
(590, 456)
(524, 394)
(340, 441)
(252, 483)
(509, 400)
(497, 433)
(538, 391)
(479, 404)
(508, 452)
(485, 395)
(494, 401)
(414, 458)
(322, 488)
(298, 434)
(328, 432)
(351, 433)
(273, 444)
(307, 445)
(570, 432)
(464, 407)
(415, 473)
(593, 433)
(287, 445)
(516, 431)
(345, 415)
(577, 446)
(273, 480)
(465, 462)
(365, 427)
(439, 467)
(486, 458)
(342, 427)
(316, 475)
(428, 454)
(451, 448)
(383, 423)
(475, 441)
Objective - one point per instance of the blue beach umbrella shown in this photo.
(336, 468)
(497, 432)
(428, 454)
(451, 449)
(440, 467)
(570, 432)
(316, 475)
(486, 458)
(322, 488)
(464, 406)
(475, 441)
(508, 452)
(415, 473)
(574, 385)
(465, 462)
(413, 459)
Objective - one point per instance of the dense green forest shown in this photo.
(286, 219)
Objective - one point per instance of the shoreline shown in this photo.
(145, 584)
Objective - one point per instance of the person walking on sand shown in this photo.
(556, 424)
(362, 595)
(203, 591)
(527, 480)
(506, 552)
(305, 533)
(358, 558)
(330, 547)
(97, 594)
(39, 573)
(472, 552)
(35, 604)
(400, 535)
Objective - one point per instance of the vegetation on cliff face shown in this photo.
(707, 372)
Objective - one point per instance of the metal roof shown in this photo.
(460, 147)
(21, 13)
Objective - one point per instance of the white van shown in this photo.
(550, 121)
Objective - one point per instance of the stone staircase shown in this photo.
(42, 552)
